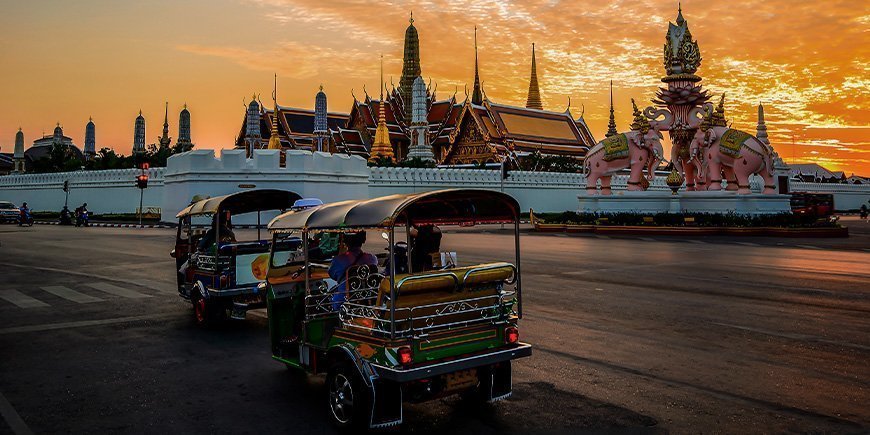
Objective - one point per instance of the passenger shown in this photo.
(425, 241)
(354, 256)
(223, 227)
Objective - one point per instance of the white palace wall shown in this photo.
(330, 177)
(109, 191)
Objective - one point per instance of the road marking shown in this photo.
(647, 239)
(70, 294)
(21, 299)
(747, 243)
(18, 426)
(699, 242)
(599, 289)
(808, 247)
(90, 275)
(117, 291)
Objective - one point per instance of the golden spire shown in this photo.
(476, 94)
(382, 146)
(534, 99)
(274, 141)
(611, 125)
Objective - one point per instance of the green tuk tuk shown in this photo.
(399, 332)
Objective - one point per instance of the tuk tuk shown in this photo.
(216, 272)
(396, 331)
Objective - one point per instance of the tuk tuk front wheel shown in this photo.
(348, 398)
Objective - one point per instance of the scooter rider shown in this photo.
(24, 215)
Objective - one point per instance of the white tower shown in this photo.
(321, 126)
(18, 154)
(139, 135)
(420, 147)
(253, 136)
(90, 140)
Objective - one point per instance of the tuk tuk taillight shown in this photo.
(224, 280)
(405, 356)
(511, 335)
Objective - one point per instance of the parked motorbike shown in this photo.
(25, 218)
(82, 219)
(65, 217)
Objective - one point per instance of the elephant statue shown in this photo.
(633, 150)
(639, 149)
(716, 150)
(719, 150)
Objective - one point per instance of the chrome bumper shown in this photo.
(415, 373)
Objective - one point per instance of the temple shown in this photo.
(474, 131)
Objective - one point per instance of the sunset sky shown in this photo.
(808, 62)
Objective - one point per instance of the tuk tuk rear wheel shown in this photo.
(206, 312)
(348, 398)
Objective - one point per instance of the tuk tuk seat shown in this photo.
(424, 295)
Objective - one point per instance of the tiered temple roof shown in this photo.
(295, 127)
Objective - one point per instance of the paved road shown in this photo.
(649, 335)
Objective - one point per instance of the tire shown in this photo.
(206, 313)
(348, 399)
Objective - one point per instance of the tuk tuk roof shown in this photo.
(245, 201)
(443, 207)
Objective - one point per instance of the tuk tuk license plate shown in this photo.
(460, 379)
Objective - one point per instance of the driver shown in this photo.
(354, 256)
(425, 241)
(226, 234)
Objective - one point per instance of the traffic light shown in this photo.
(142, 181)
(145, 166)
(66, 185)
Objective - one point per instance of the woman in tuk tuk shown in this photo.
(354, 256)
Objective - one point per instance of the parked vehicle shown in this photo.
(8, 212)
(820, 205)
(396, 337)
(217, 273)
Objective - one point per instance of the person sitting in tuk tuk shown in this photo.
(221, 227)
(425, 241)
(354, 256)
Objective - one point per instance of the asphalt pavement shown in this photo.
(631, 334)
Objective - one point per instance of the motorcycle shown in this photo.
(25, 218)
(82, 219)
(65, 217)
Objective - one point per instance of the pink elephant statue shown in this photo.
(718, 151)
(633, 150)
(638, 149)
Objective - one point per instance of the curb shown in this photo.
(694, 231)
(107, 225)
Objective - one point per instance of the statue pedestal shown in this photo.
(652, 202)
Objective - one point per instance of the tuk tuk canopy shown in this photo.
(246, 201)
(442, 207)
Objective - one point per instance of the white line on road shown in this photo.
(117, 291)
(18, 426)
(747, 243)
(90, 275)
(70, 294)
(21, 299)
(808, 247)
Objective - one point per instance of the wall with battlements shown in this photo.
(109, 191)
(322, 175)
(330, 177)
